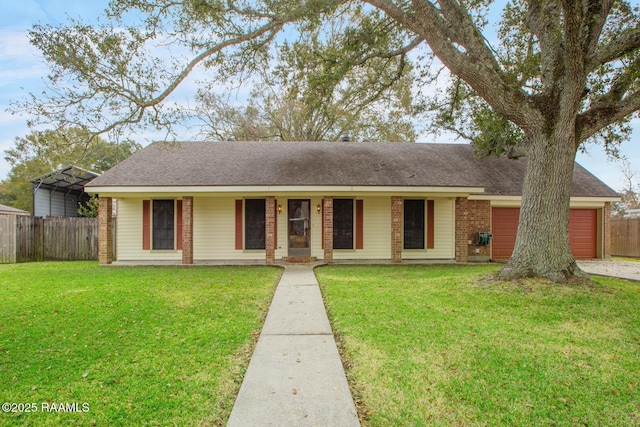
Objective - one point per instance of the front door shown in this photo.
(299, 228)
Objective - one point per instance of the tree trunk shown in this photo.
(542, 244)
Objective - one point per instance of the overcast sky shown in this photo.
(21, 71)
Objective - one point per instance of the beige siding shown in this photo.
(377, 231)
(214, 237)
(444, 241)
(129, 235)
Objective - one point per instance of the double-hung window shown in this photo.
(342, 223)
(254, 222)
(163, 225)
(414, 232)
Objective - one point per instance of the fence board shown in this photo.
(625, 237)
(7, 239)
(29, 239)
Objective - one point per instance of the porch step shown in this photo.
(300, 259)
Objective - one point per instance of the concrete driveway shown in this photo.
(621, 269)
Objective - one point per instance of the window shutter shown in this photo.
(146, 225)
(239, 225)
(359, 224)
(430, 224)
(179, 224)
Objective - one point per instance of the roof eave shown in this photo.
(278, 189)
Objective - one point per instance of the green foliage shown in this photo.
(442, 346)
(140, 346)
(42, 152)
(462, 112)
(91, 208)
(324, 85)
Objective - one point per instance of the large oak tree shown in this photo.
(558, 73)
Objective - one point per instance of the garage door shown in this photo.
(504, 226)
(583, 226)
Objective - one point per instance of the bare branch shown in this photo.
(388, 55)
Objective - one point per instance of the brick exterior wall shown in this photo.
(327, 221)
(270, 227)
(462, 229)
(607, 230)
(396, 229)
(105, 230)
(479, 219)
(187, 230)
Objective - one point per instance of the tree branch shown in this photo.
(605, 114)
(616, 49)
(466, 55)
(388, 55)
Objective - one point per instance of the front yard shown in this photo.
(437, 345)
(126, 346)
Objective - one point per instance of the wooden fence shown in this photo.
(26, 238)
(625, 237)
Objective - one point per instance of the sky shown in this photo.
(22, 70)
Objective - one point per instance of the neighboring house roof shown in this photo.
(8, 210)
(327, 164)
(70, 178)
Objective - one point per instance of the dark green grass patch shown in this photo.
(126, 346)
(440, 345)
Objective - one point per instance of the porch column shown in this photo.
(187, 230)
(479, 219)
(270, 227)
(396, 229)
(327, 229)
(105, 230)
(462, 229)
(606, 212)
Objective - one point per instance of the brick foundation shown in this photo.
(327, 234)
(396, 229)
(270, 227)
(462, 229)
(105, 230)
(187, 230)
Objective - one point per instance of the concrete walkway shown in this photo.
(295, 377)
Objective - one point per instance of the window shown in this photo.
(255, 222)
(414, 224)
(163, 224)
(342, 224)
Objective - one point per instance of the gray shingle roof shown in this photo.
(327, 164)
(8, 210)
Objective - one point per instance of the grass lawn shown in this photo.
(437, 345)
(129, 346)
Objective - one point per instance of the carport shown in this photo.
(58, 193)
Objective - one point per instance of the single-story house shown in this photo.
(59, 193)
(268, 202)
